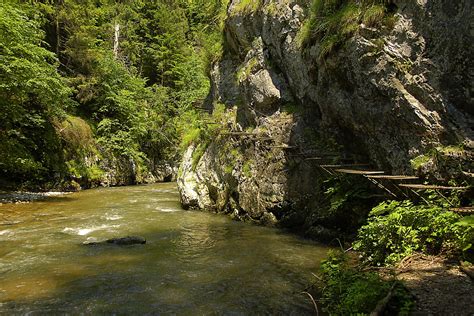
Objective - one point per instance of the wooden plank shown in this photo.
(239, 134)
(469, 174)
(345, 165)
(284, 147)
(392, 177)
(362, 172)
(466, 210)
(430, 187)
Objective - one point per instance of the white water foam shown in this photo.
(86, 231)
(167, 210)
(113, 217)
(5, 232)
(56, 193)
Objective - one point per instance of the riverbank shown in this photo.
(26, 197)
(440, 286)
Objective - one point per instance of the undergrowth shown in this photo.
(396, 229)
(344, 204)
(393, 231)
(348, 290)
(201, 130)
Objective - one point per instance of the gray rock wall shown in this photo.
(386, 97)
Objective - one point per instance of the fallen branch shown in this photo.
(467, 270)
(382, 304)
(314, 302)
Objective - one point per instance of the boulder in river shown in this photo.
(123, 241)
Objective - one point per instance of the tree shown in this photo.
(32, 94)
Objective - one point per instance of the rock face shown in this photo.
(119, 171)
(399, 98)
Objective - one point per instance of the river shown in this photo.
(194, 263)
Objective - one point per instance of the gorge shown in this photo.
(343, 130)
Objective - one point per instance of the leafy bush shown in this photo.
(397, 229)
(345, 203)
(348, 291)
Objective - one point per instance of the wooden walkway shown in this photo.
(361, 172)
(431, 187)
(463, 210)
(392, 177)
(391, 187)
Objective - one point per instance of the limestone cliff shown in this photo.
(399, 98)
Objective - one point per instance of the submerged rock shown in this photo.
(129, 240)
(123, 241)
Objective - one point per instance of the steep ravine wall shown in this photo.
(398, 98)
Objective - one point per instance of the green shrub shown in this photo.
(348, 291)
(198, 153)
(344, 204)
(87, 174)
(397, 229)
(247, 170)
(245, 71)
(201, 129)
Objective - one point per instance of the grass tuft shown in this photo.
(374, 15)
(332, 22)
(246, 6)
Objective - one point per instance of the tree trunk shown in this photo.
(116, 40)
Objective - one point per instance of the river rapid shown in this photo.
(194, 263)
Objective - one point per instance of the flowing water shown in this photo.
(194, 263)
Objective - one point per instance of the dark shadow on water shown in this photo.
(11, 199)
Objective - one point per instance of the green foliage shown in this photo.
(332, 22)
(246, 6)
(374, 14)
(397, 229)
(86, 174)
(32, 95)
(247, 170)
(348, 291)
(77, 135)
(198, 153)
(132, 98)
(419, 161)
(201, 129)
(292, 108)
(274, 7)
(245, 71)
(345, 202)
